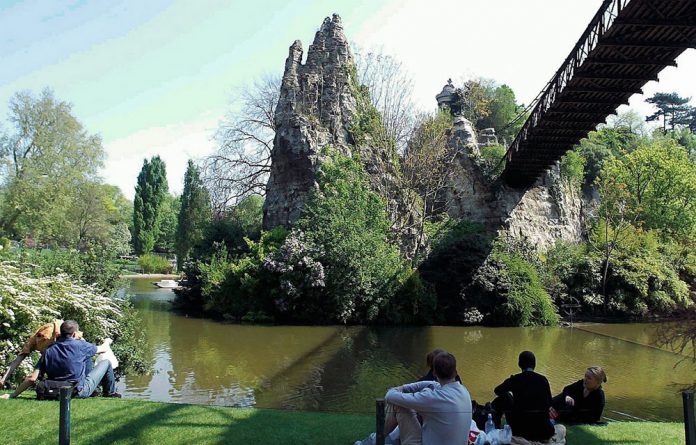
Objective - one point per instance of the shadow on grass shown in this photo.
(158, 423)
(584, 437)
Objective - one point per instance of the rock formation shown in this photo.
(317, 107)
(314, 109)
(546, 212)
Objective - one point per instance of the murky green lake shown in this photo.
(343, 369)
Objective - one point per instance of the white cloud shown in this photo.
(174, 143)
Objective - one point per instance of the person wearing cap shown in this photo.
(41, 339)
(525, 399)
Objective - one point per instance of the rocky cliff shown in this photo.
(320, 104)
(541, 215)
(314, 109)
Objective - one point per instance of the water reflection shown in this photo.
(329, 368)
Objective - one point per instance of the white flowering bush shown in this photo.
(27, 302)
(300, 274)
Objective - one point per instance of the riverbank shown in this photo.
(98, 421)
(164, 276)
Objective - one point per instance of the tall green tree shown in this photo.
(672, 109)
(47, 162)
(150, 192)
(194, 213)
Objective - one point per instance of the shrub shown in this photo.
(93, 266)
(155, 264)
(507, 289)
(26, 302)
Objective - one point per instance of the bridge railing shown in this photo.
(600, 23)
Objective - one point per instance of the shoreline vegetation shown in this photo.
(97, 421)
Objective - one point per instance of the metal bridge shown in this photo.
(627, 43)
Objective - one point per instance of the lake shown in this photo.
(344, 368)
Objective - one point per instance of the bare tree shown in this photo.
(241, 165)
(427, 169)
(391, 89)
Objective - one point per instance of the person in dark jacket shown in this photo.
(582, 401)
(525, 399)
(429, 376)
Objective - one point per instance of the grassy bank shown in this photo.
(99, 421)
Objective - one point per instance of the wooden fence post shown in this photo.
(379, 425)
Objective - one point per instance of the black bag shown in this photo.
(50, 389)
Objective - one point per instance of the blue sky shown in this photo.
(155, 77)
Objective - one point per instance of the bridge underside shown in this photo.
(627, 44)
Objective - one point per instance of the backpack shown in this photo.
(50, 389)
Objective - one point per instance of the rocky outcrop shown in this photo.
(541, 215)
(319, 104)
(314, 109)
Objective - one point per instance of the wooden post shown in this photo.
(689, 420)
(379, 426)
(64, 426)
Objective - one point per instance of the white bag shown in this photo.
(108, 355)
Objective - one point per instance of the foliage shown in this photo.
(427, 169)
(507, 289)
(458, 249)
(194, 213)
(490, 159)
(154, 264)
(367, 127)
(345, 228)
(572, 275)
(48, 166)
(94, 266)
(231, 230)
(26, 302)
(238, 287)
(672, 109)
(150, 192)
(572, 167)
(660, 184)
(642, 277)
(604, 144)
(169, 213)
(414, 301)
(488, 105)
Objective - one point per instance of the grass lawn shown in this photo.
(114, 421)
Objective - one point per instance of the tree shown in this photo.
(502, 110)
(672, 109)
(390, 89)
(150, 192)
(94, 215)
(241, 165)
(169, 213)
(427, 168)
(44, 160)
(194, 213)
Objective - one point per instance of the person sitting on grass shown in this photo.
(525, 399)
(67, 360)
(444, 407)
(44, 337)
(583, 401)
(429, 376)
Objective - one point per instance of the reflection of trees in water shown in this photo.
(680, 337)
(348, 373)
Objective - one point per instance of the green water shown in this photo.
(343, 369)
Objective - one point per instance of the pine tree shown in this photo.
(150, 191)
(672, 108)
(194, 213)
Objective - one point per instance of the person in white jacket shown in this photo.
(444, 406)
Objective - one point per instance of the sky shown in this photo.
(156, 77)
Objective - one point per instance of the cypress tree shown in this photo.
(149, 194)
(194, 213)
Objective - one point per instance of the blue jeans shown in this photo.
(102, 373)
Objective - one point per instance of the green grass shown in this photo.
(101, 421)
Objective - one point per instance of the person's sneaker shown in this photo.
(113, 394)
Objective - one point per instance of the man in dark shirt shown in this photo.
(525, 399)
(67, 358)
